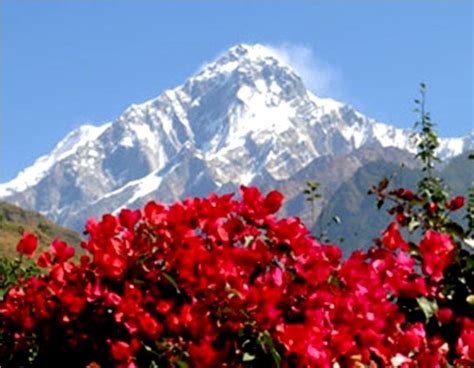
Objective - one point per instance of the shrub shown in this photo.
(223, 282)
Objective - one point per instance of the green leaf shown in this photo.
(267, 345)
(248, 240)
(416, 201)
(248, 357)
(172, 281)
(413, 225)
(454, 229)
(383, 183)
(233, 293)
(428, 307)
(469, 242)
(182, 364)
(335, 281)
(276, 357)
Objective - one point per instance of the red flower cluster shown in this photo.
(223, 282)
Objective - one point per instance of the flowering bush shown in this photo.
(224, 282)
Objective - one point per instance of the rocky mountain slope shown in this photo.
(361, 221)
(246, 118)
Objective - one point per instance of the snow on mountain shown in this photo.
(245, 116)
(68, 146)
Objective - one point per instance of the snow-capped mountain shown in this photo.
(245, 118)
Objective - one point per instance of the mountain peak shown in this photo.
(247, 51)
(246, 59)
(244, 114)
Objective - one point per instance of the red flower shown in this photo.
(149, 325)
(456, 203)
(61, 251)
(404, 194)
(129, 218)
(465, 344)
(392, 239)
(333, 253)
(44, 260)
(109, 225)
(433, 208)
(414, 337)
(444, 315)
(154, 213)
(251, 196)
(273, 201)
(203, 355)
(27, 245)
(73, 300)
(120, 351)
(401, 219)
(437, 251)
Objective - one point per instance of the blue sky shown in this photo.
(67, 63)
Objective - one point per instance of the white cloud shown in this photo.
(320, 77)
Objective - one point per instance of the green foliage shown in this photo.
(13, 269)
(431, 188)
(45, 228)
(311, 195)
(428, 307)
(427, 138)
(7, 274)
(311, 191)
(428, 208)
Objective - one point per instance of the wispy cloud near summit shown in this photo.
(319, 76)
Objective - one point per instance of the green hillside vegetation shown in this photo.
(14, 220)
(360, 220)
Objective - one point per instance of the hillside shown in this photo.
(14, 220)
